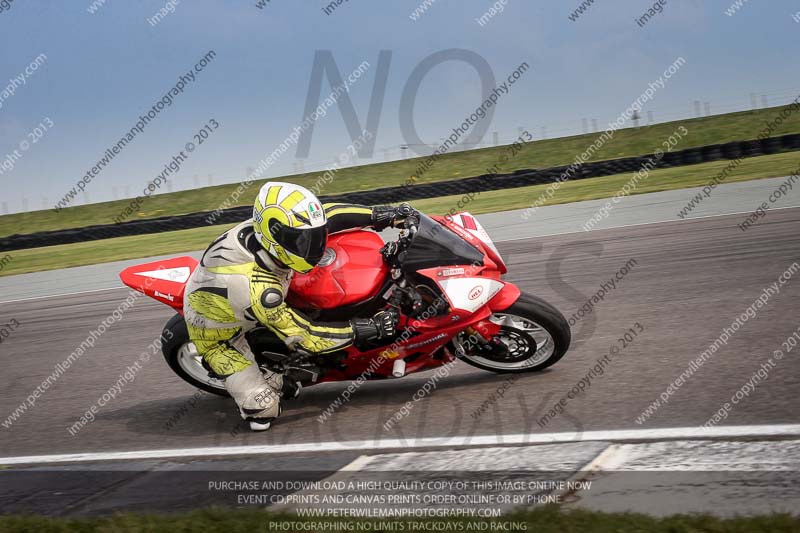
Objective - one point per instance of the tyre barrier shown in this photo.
(771, 145)
(751, 148)
(711, 153)
(407, 192)
(791, 142)
(732, 150)
(692, 156)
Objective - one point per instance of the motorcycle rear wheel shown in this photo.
(182, 357)
(534, 336)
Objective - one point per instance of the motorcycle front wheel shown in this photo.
(533, 336)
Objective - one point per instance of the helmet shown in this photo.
(290, 224)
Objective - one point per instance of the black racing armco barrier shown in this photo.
(486, 182)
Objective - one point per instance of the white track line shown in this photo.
(595, 465)
(358, 464)
(60, 295)
(640, 224)
(622, 435)
(599, 462)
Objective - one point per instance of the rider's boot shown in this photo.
(257, 394)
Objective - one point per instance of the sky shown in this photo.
(105, 69)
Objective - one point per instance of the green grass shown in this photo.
(768, 166)
(538, 154)
(176, 242)
(104, 251)
(545, 520)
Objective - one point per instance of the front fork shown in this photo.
(482, 335)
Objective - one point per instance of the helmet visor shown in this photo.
(308, 243)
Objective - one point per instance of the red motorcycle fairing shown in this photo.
(505, 298)
(468, 228)
(423, 351)
(164, 281)
(351, 271)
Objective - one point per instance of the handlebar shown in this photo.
(410, 226)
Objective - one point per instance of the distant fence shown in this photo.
(519, 178)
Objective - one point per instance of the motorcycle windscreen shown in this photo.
(434, 245)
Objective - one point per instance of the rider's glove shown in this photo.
(384, 216)
(380, 326)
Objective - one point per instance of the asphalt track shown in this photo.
(691, 279)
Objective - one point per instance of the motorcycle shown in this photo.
(442, 274)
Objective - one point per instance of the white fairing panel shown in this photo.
(178, 275)
(472, 225)
(470, 294)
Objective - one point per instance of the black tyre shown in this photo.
(533, 336)
(182, 357)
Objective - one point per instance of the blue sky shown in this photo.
(105, 69)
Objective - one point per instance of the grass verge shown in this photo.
(666, 179)
(537, 154)
(88, 253)
(545, 520)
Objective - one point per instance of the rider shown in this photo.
(242, 280)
